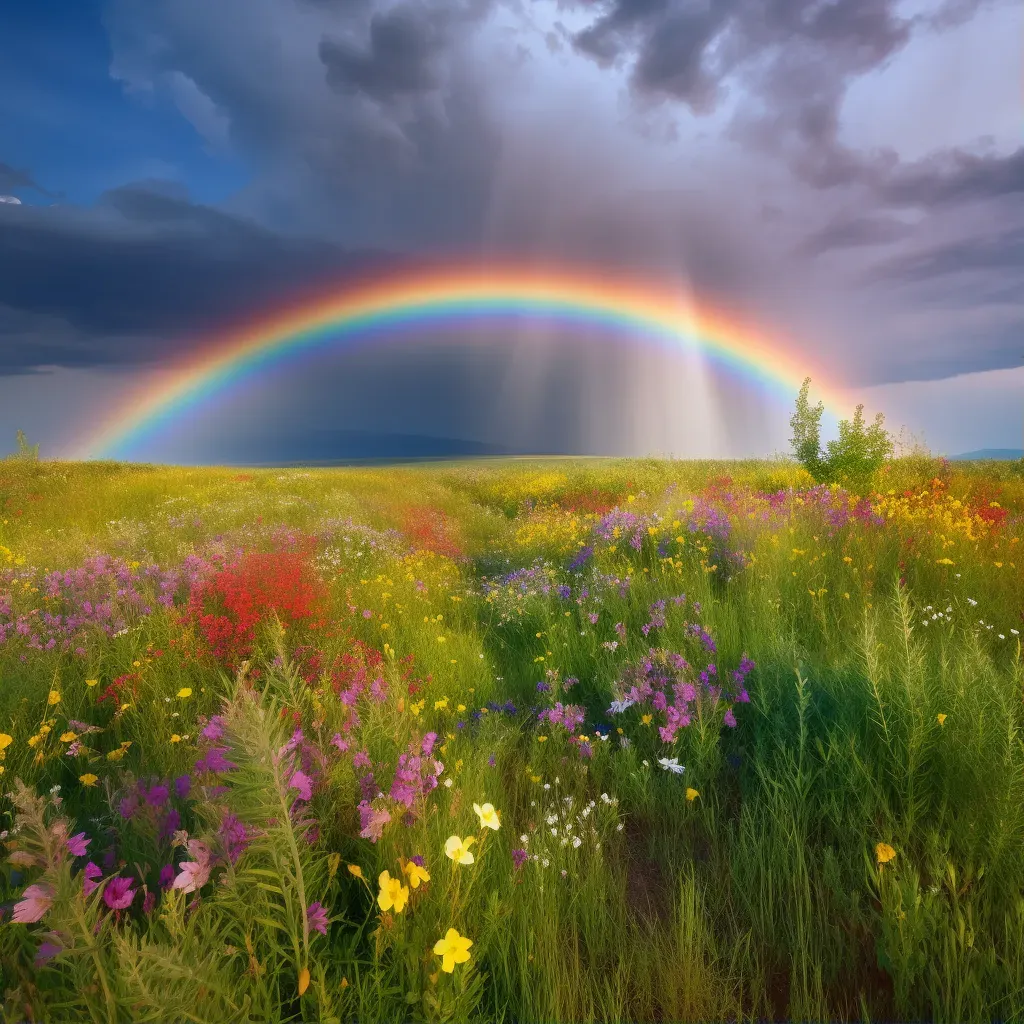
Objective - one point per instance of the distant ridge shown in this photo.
(989, 453)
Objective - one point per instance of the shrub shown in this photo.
(854, 457)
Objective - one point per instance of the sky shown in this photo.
(847, 175)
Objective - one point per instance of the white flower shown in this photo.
(547, 785)
(1001, 637)
(672, 764)
(1014, 632)
(577, 842)
(645, 763)
(618, 706)
(618, 828)
(448, 783)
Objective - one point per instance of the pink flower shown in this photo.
(340, 743)
(35, 901)
(118, 894)
(77, 845)
(194, 873)
(89, 878)
(316, 917)
(301, 781)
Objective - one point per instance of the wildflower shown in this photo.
(453, 949)
(194, 873)
(77, 845)
(303, 980)
(646, 719)
(53, 698)
(458, 849)
(182, 785)
(92, 682)
(392, 895)
(488, 816)
(356, 871)
(691, 794)
(185, 692)
(301, 781)
(519, 858)
(118, 894)
(5, 740)
(68, 737)
(729, 718)
(215, 761)
(90, 873)
(884, 853)
(416, 873)
(88, 779)
(35, 901)
(672, 764)
(316, 918)
(46, 952)
(941, 719)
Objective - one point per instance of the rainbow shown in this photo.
(421, 298)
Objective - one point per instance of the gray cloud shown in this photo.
(12, 178)
(852, 232)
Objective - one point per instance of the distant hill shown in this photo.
(340, 447)
(989, 453)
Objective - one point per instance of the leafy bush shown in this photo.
(853, 457)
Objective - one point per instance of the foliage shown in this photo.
(853, 457)
(552, 740)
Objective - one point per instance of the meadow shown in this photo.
(521, 741)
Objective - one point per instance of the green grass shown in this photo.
(761, 897)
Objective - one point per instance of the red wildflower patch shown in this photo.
(985, 504)
(593, 500)
(122, 686)
(228, 607)
(430, 530)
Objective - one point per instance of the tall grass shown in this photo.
(464, 600)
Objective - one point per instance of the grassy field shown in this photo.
(511, 741)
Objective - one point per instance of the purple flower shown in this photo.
(301, 781)
(167, 876)
(235, 836)
(118, 894)
(360, 759)
(492, 760)
(337, 741)
(148, 902)
(157, 795)
(417, 858)
(183, 786)
(519, 858)
(46, 952)
(316, 918)
(730, 719)
(77, 845)
(90, 873)
(543, 687)
(214, 729)
(128, 806)
(214, 761)
(372, 821)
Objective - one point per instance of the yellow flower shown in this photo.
(542, 739)
(5, 740)
(884, 853)
(458, 849)
(691, 794)
(175, 738)
(646, 719)
(33, 741)
(54, 697)
(941, 719)
(535, 778)
(68, 737)
(92, 682)
(184, 692)
(944, 561)
(88, 779)
(356, 871)
(415, 873)
(453, 949)
(488, 816)
(392, 893)
(303, 980)
(461, 707)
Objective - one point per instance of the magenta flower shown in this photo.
(214, 729)
(316, 918)
(215, 761)
(360, 759)
(194, 873)
(148, 903)
(90, 874)
(301, 781)
(77, 844)
(340, 743)
(730, 719)
(118, 894)
(519, 858)
(182, 785)
(35, 901)
(46, 952)
(167, 876)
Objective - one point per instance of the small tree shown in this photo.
(853, 457)
(29, 452)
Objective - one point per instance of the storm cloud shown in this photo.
(709, 145)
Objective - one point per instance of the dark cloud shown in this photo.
(401, 58)
(954, 177)
(995, 254)
(852, 232)
(11, 178)
(127, 280)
